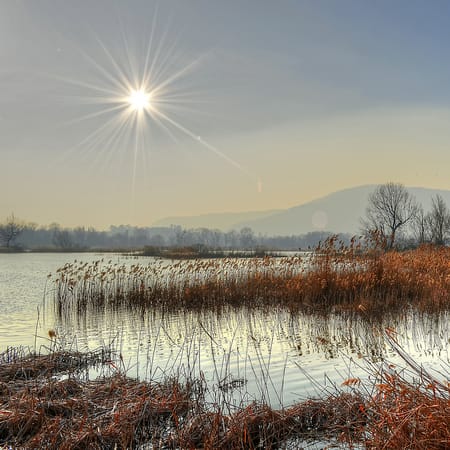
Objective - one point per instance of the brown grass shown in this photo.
(117, 412)
(335, 278)
(409, 416)
(17, 363)
(410, 409)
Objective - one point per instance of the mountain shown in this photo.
(221, 221)
(339, 212)
(336, 212)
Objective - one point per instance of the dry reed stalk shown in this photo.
(116, 412)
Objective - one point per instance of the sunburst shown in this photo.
(131, 100)
(132, 97)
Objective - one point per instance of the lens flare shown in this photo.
(136, 97)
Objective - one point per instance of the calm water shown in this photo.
(272, 354)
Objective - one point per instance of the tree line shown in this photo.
(17, 234)
(392, 213)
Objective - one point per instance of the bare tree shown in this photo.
(420, 226)
(391, 207)
(10, 230)
(438, 221)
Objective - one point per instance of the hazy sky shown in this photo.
(254, 105)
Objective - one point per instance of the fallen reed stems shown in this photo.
(53, 412)
(57, 412)
(19, 363)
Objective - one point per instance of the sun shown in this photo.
(139, 100)
(137, 95)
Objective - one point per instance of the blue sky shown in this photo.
(276, 103)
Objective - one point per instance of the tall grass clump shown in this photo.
(406, 415)
(409, 409)
(335, 278)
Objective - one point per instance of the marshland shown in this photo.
(345, 346)
(180, 184)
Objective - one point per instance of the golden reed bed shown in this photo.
(334, 278)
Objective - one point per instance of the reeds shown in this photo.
(410, 409)
(116, 412)
(18, 363)
(335, 278)
(51, 412)
(409, 416)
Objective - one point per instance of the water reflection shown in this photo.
(254, 353)
(257, 351)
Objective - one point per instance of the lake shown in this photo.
(241, 353)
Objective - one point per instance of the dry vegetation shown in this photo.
(407, 416)
(68, 413)
(41, 410)
(335, 278)
(115, 412)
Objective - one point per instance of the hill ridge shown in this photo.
(338, 212)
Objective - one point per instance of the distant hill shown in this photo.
(336, 212)
(339, 212)
(221, 221)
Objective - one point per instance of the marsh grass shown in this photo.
(394, 410)
(397, 410)
(335, 278)
(18, 363)
(408, 408)
(43, 411)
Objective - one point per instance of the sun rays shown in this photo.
(135, 98)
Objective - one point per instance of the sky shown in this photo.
(244, 105)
